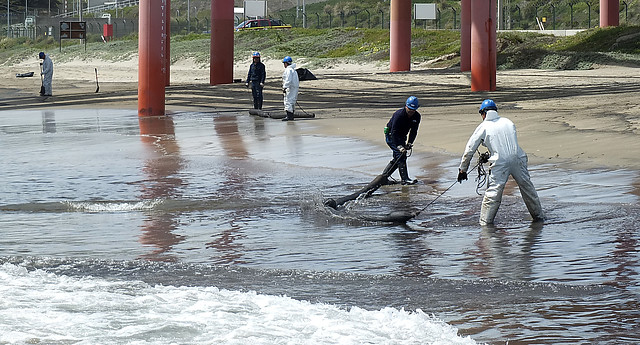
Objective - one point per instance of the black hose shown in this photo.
(377, 182)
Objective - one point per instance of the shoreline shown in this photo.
(581, 118)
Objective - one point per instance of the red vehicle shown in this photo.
(262, 24)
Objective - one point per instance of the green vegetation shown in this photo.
(321, 47)
(624, 39)
(614, 46)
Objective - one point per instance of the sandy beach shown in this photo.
(578, 118)
(219, 233)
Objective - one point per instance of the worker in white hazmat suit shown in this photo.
(47, 73)
(498, 134)
(290, 84)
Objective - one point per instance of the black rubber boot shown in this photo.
(390, 168)
(289, 116)
(404, 174)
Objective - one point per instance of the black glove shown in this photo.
(409, 146)
(462, 176)
(484, 158)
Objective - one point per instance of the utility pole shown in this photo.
(8, 20)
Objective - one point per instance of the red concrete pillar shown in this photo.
(483, 45)
(167, 41)
(465, 35)
(400, 36)
(609, 13)
(151, 57)
(221, 70)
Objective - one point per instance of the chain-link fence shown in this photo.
(562, 16)
(550, 16)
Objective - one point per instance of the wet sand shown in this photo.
(572, 281)
(573, 119)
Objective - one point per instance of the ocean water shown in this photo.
(203, 228)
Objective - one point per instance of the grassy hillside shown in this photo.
(619, 45)
(611, 46)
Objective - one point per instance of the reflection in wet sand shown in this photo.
(624, 258)
(415, 254)
(243, 196)
(226, 241)
(48, 121)
(160, 168)
(499, 253)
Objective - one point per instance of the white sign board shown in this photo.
(424, 11)
(255, 9)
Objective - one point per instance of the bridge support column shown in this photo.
(152, 57)
(483, 45)
(221, 69)
(465, 35)
(400, 36)
(609, 13)
(167, 42)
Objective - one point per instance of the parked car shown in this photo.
(262, 24)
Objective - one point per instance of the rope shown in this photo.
(481, 179)
(434, 200)
(484, 157)
(298, 104)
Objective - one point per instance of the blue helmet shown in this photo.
(41, 55)
(488, 104)
(256, 54)
(287, 59)
(412, 103)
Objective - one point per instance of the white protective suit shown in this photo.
(47, 72)
(498, 134)
(290, 84)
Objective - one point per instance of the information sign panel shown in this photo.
(73, 30)
(424, 11)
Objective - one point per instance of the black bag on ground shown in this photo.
(305, 74)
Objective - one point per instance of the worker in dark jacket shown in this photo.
(257, 75)
(47, 73)
(400, 133)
